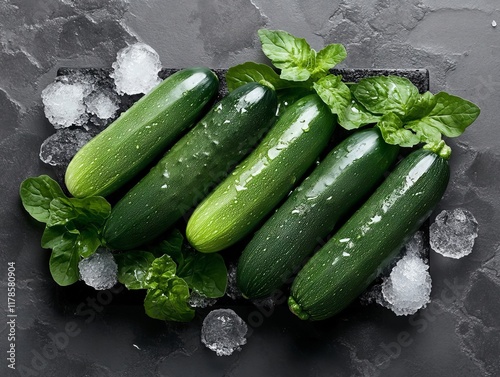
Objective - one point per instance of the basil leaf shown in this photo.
(293, 56)
(37, 193)
(92, 210)
(161, 270)
(329, 57)
(333, 92)
(171, 246)
(64, 260)
(61, 212)
(133, 267)
(355, 116)
(391, 127)
(169, 302)
(53, 236)
(254, 72)
(450, 116)
(205, 273)
(88, 241)
(384, 94)
(426, 102)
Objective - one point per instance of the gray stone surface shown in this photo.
(104, 334)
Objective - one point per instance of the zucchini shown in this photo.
(347, 174)
(141, 133)
(264, 178)
(346, 265)
(187, 172)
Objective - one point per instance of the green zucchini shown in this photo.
(141, 133)
(346, 265)
(264, 178)
(347, 174)
(201, 159)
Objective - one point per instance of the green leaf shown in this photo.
(391, 127)
(169, 302)
(161, 270)
(88, 241)
(293, 56)
(356, 116)
(61, 212)
(133, 267)
(171, 246)
(205, 273)
(426, 102)
(254, 72)
(334, 93)
(37, 193)
(64, 260)
(54, 235)
(450, 116)
(385, 94)
(91, 210)
(329, 57)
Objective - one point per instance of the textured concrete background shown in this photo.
(457, 335)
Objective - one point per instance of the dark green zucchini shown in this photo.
(141, 133)
(264, 178)
(348, 173)
(346, 265)
(187, 172)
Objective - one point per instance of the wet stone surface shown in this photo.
(106, 333)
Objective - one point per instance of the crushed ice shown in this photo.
(223, 332)
(408, 286)
(59, 148)
(103, 104)
(99, 270)
(86, 99)
(453, 233)
(136, 69)
(63, 100)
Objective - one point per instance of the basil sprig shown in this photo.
(170, 271)
(73, 226)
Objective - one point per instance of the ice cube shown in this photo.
(453, 233)
(99, 270)
(408, 287)
(223, 332)
(136, 69)
(197, 300)
(415, 248)
(59, 148)
(103, 104)
(232, 289)
(63, 100)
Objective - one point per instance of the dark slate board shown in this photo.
(278, 322)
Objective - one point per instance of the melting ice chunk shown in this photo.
(63, 100)
(408, 287)
(99, 270)
(453, 233)
(197, 300)
(136, 69)
(223, 332)
(103, 104)
(232, 289)
(59, 148)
